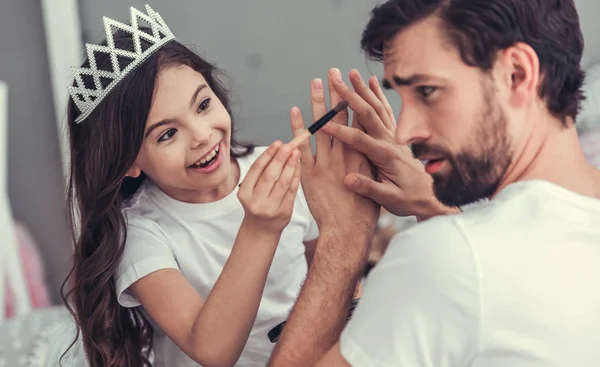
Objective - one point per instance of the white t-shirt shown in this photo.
(512, 282)
(197, 239)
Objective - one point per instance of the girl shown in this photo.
(171, 256)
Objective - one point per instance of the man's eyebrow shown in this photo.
(405, 81)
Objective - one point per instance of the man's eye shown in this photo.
(425, 91)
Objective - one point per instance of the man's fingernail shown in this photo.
(354, 181)
(317, 84)
(358, 76)
(295, 111)
(336, 74)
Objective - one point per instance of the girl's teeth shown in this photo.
(209, 156)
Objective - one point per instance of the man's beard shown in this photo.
(475, 173)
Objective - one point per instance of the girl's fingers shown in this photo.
(282, 185)
(271, 172)
(287, 204)
(257, 168)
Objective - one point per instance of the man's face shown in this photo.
(451, 114)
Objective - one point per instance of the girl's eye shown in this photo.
(204, 105)
(167, 135)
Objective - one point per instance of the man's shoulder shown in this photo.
(439, 242)
(515, 213)
(453, 238)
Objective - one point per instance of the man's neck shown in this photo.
(554, 154)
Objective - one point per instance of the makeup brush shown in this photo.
(318, 124)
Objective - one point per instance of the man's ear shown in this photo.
(133, 172)
(521, 72)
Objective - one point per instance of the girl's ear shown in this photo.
(133, 172)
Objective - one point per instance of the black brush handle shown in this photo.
(322, 121)
(275, 332)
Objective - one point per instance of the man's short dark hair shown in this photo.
(481, 28)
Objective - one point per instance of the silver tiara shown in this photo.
(87, 99)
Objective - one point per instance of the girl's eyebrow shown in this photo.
(154, 126)
(195, 95)
(165, 122)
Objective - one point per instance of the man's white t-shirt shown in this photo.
(197, 240)
(512, 282)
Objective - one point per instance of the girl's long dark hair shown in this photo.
(103, 147)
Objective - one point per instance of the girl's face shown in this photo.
(185, 150)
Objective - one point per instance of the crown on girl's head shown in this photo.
(123, 61)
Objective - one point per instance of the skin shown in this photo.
(442, 107)
(190, 125)
(340, 256)
(179, 133)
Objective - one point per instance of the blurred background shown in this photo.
(270, 49)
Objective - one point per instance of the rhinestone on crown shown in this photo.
(87, 99)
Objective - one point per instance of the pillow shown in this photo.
(589, 116)
(590, 143)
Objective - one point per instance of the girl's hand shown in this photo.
(269, 189)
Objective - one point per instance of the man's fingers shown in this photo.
(334, 98)
(341, 117)
(369, 119)
(358, 140)
(382, 194)
(301, 137)
(319, 108)
(374, 101)
(376, 88)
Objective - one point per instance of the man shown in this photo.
(490, 92)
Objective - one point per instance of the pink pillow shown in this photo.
(34, 272)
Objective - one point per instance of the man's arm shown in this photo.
(346, 224)
(321, 311)
(309, 254)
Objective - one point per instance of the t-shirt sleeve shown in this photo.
(312, 231)
(420, 305)
(146, 251)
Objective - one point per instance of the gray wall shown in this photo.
(36, 187)
(271, 49)
(589, 10)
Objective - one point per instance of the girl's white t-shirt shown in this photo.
(196, 239)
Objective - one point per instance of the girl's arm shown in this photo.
(213, 332)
